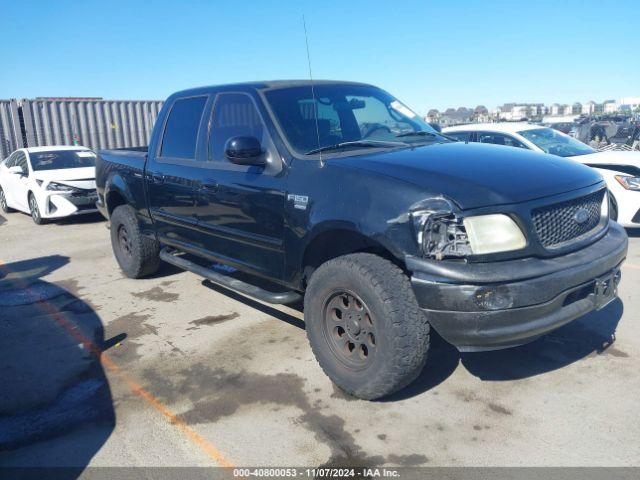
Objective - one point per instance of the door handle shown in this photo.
(157, 178)
(209, 186)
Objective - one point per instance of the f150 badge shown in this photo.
(299, 201)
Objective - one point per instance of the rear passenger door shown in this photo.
(174, 173)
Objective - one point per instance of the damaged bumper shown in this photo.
(486, 306)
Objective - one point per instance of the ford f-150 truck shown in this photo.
(338, 193)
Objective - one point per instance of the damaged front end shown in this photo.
(440, 232)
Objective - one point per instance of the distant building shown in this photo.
(576, 108)
(556, 109)
(588, 108)
(610, 106)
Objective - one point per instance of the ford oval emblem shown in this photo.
(581, 216)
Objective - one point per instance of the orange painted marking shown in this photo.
(134, 386)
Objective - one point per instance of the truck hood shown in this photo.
(477, 175)
(610, 158)
(75, 177)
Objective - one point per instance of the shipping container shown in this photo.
(10, 130)
(94, 123)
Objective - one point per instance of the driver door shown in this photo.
(17, 189)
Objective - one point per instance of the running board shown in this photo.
(228, 282)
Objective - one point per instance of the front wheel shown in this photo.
(137, 255)
(364, 325)
(35, 211)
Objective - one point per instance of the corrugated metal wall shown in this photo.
(10, 132)
(90, 122)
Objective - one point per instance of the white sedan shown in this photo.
(49, 182)
(621, 170)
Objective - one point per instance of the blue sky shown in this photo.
(428, 53)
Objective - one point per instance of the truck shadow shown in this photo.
(56, 408)
(592, 334)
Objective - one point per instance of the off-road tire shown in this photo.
(139, 255)
(402, 330)
(34, 210)
(3, 203)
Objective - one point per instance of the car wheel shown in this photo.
(365, 326)
(35, 211)
(137, 255)
(4, 206)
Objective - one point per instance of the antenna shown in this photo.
(313, 93)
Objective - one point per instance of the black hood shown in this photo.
(478, 175)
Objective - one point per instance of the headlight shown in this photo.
(628, 182)
(493, 233)
(59, 187)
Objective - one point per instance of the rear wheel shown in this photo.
(137, 255)
(35, 210)
(364, 325)
(4, 206)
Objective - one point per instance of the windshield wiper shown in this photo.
(357, 143)
(420, 133)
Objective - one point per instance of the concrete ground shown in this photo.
(101, 370)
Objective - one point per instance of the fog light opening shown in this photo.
(493, 298)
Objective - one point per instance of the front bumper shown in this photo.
(60, 205)
(486, 306)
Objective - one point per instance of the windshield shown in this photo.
(346, 113)
(61, 159)
(556, 143)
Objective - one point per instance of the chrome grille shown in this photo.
(559, 223)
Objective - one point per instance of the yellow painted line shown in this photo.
(133, 385)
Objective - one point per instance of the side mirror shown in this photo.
(244, 151)
(16, 170)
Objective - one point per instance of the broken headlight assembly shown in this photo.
(444, 233)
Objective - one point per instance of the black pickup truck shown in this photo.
(338, 193)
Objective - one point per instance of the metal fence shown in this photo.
(10, 131)
(94, 123)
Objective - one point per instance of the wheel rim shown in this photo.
(350, 330)
(124, 240)
(35, 214)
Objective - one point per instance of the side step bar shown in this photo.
(228, 282)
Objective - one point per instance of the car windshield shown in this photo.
(556, 143)
(60, 159)
(349, 117)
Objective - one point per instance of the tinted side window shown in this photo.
(499, 139)
(461, 136)
(234, 115)
(11, 161)
(181, 129)
(21, 160)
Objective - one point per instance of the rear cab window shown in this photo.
(181, 129)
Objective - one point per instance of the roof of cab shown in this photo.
(264, 84)
(503, 127)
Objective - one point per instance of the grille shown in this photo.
(556, 224)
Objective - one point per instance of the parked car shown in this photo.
(49, 182)
(342, 194)
(621, 170)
